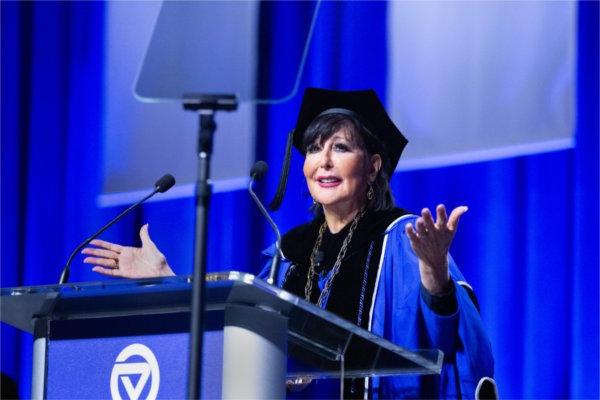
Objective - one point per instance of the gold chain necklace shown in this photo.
(338, 262)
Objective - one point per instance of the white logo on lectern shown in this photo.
(122, 372)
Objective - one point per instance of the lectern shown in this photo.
(129, 339)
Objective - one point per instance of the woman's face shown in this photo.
(338, 172)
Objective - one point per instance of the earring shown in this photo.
(370, 193)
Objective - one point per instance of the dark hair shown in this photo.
(325, 126)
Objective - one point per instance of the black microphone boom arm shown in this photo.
(257, 172)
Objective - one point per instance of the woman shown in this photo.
(361, 258)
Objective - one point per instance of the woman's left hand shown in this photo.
(431, 241)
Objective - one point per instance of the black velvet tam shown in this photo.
(364, 105)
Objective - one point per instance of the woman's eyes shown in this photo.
(341, 147)
(313, 148)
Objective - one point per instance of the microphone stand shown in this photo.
(276, 260)
(206, 106)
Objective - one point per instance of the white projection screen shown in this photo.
(471, 81)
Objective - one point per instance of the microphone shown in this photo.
(319, 259)
(257, 172)
(163, 184)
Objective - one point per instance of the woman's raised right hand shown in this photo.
(128, 262)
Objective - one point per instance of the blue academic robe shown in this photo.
(399, 313)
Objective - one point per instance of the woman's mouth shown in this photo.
(327, 182)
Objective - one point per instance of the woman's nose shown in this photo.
(326, 161)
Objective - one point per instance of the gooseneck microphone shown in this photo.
(165, 183)
(257, 172)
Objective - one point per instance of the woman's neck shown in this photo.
(338, 217)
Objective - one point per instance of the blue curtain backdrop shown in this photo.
(51, 116)
(529, 243)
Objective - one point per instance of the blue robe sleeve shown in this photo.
(283, 267)
(400, 314)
